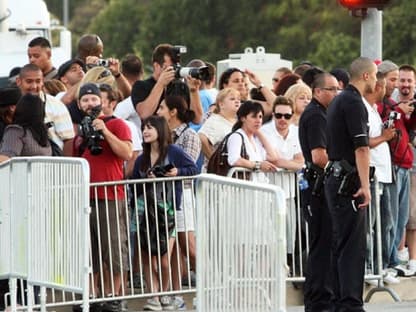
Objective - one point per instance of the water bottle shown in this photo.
(303, 183)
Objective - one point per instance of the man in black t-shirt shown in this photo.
(347, 185)
(147, 94)
(318, 289)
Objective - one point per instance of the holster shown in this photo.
(342, 170)
(315, 176)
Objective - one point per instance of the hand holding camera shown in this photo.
(162, 171)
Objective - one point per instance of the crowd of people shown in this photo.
(330, 125)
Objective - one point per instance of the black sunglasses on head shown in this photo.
(280, 115)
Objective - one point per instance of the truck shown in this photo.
(20, 22)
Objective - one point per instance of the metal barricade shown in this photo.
(241, 246)
(44, 227)
(297, 229)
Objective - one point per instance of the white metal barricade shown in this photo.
(44, 226)
(297, 229)
(241, 245)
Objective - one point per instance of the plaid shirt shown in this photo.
(188, 140)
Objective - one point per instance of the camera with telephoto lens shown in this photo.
(103, 62)
(390, 120)
(91, 136)
(160, 171)
(201, 73)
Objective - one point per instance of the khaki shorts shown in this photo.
(100, 231)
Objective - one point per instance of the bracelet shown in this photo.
(260, 86)
(257, 165)
(117, 75)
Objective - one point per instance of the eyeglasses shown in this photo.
(280, 115)
(332, 89)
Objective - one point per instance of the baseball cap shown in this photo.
(67, 65)
(89, 88)
(9, 96)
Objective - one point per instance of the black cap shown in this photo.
(9, 96)
(89, 88)
(65, 66)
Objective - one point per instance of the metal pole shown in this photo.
(371, 34)
(66, 13)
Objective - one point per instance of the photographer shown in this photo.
(147, 94)
(107, 142)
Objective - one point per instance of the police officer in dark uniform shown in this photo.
(318, 287)
(347, 184)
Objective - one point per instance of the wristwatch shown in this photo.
(260, 86)
(257, 165)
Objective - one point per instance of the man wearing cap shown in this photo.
(70, 73)
(40, 53)
(61, 131)
(107, 204)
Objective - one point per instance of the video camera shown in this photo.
(390, 120)
(92, 137)
(200, 73)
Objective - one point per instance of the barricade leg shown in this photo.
(13, 293)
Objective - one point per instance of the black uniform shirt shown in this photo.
(312, 128)
(347, 125)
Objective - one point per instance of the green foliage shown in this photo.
(320, 31)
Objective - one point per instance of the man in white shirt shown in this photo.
(380, 158)
(283, 135)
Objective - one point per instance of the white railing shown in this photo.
(241, 245)
(44, 226)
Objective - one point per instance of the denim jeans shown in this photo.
(400, 209)
(386, 225)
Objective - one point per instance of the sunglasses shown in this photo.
(280, 115)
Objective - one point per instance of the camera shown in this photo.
(201, 73)
(103, 62)
(160, 171)
(91, 136)
(390, 120)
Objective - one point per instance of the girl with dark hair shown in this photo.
(177, 114)
(160, 158)
(260, 152)
(27, 135)
(286, 82)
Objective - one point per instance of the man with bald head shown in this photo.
(347, 185)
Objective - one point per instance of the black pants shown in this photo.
(318, 289)
(349, 248)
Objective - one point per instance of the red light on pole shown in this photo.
(363, 4)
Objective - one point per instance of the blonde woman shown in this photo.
(219, 124)
(300, 95)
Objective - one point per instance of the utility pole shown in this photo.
(372, 34)
(65, 13)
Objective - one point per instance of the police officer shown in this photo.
(347, 185)
(312, 135)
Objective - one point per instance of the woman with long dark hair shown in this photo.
(28, 134)
(247, 131)
(160, 158)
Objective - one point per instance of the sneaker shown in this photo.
(412, 265)
(167, 303)
(403, 255)
(390, 278)
(402, 270)
(152, 305)
(179, 303)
